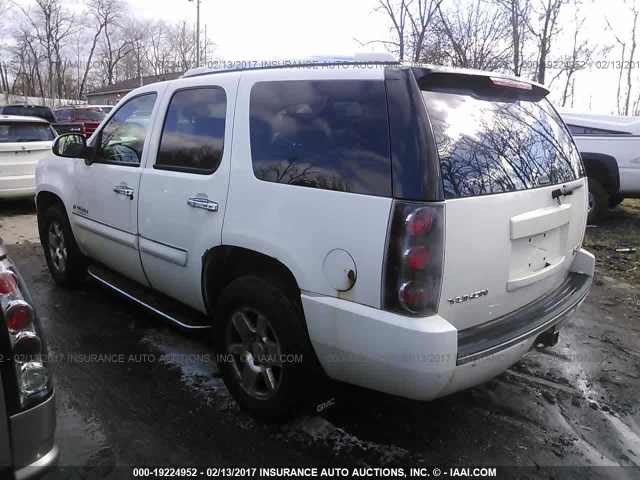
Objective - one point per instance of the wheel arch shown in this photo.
(44, 200)
(604, 169)
(224, 263)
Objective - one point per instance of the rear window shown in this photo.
(89, 115)
(25, 132)
(327, 134)
(493, 145)
(40, 112)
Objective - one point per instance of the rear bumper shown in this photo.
(33, 440)
(426, 358)
(18, 186)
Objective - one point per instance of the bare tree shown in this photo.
(478, 34)
(545, 28)
(411, 22)
(182, 39)
(517, 12)
(581, 53)
(52, 24)
(626, 61)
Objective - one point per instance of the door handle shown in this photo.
(204, 203)
(124, 190)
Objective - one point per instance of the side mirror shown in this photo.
(70, 145)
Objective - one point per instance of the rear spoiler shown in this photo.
(479, 84)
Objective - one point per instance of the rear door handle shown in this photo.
(204, 203)
(124, 190)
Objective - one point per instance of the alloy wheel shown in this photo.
(255, 353)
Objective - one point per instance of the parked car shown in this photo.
(105, 108)
(23, 142)
(44, 112)
(610, 149)
(410, 230)
(89, 116)
(27, 403)
(23, 110)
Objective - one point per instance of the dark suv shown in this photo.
(27, 405)
(39, 111)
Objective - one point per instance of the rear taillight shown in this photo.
(414, 259)
(26, 344)
(8, 282)
(18, 316)
(83, 131)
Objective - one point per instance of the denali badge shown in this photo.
(469, 296)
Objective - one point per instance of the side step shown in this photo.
(161, 305)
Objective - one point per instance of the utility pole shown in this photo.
(197, 2)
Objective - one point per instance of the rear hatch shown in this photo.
(22, 145)
(506, 161)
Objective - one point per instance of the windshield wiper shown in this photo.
(564, 191)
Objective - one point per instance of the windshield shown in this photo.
(489, 145)
(25, 132)
(89, 114)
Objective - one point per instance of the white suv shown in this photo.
(23, 142)
(410, 230)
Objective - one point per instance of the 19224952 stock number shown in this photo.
(222, 472)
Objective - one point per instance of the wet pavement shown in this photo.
(135, 391)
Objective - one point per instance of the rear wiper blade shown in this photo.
(564, 191)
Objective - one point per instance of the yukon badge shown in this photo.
(469, 296)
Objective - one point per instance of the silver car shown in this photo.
(27, 404)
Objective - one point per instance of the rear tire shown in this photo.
(258, 331)
(598, 202)
(66, 263)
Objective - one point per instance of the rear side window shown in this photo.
(328, 134)
(25, 132)
(193, 132)
(494, 145)
(89, 115)
(578, 130)
(63, 115)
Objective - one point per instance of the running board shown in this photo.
(163, 306)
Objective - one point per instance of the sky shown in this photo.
(275, 29)
(257, 30)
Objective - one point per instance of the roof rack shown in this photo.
(313, 61)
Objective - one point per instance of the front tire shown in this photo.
(261, 343)
(598, 202)
(66, 263)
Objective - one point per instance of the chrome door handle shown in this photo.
(204, 203)
(124, 190)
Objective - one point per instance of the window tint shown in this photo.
(31, 111)
(489, 145)
(330, 134)
(25, 132)
(122, 138)
(578, 130)
(193, 132)
(63, 115)
(89, 115)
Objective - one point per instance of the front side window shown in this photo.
(329, 134)
(193, 132)
(122, 139)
